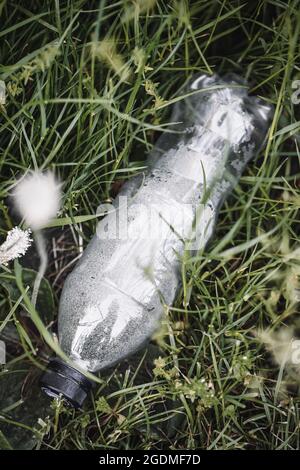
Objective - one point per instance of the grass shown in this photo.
(89, 89)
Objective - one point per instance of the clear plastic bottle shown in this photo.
(114, 299)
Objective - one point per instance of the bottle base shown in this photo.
(63, 381)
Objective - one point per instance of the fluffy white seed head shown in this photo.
(37, 198)
(16, 244)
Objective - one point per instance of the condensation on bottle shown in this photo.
(114, 299)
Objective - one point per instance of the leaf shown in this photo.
(4, 444)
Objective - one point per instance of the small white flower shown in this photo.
(37, 198)
(16, 244)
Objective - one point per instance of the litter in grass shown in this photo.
(113, 301)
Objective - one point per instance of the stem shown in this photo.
(41, 247)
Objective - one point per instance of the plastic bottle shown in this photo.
(114, 299)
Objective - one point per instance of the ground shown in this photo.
(89, 87)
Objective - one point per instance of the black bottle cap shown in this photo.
(62, 380)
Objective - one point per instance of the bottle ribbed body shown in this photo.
(114, 299)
